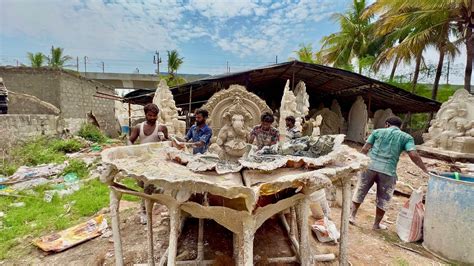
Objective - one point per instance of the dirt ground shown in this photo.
(366, 247)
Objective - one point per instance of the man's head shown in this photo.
(266, 120)
(290, 121)
(151, 113)
(393, 121)
(201, 116)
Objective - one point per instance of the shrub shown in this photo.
(67, 146)
(91, 133)
(77, 166)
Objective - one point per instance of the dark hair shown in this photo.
(202, 112)
(151, 107)
(291, 119)
(267, 117)
(394, 121)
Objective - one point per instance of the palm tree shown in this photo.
(174, 62)
(37, 59)
(435, 21)
(57, 60)
(306, 54)
(353, 41)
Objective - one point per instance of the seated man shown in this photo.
(264, 134)
(291, 131)
(147, 132)
(199, 134)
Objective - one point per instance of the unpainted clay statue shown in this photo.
(168, 112)
(357, 121)
(453, 127)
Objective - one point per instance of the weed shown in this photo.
(91, 133)
(66, 146)
(402, 262)
(77, 166)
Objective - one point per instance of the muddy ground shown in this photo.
(366, 247)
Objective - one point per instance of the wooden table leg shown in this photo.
(245, 243)
(149, 212)
(346, 210)
(175, 219)
(114, 215)
(303, 215)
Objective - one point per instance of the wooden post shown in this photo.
(369, 106)
(346, 210)
(129, 118)
(114, 216)
(189, 106)
(174, 232)
(149, 223)
(303, 215)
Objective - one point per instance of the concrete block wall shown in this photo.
(42, 83)
(72, 94)
(20, 127)
(77, 99)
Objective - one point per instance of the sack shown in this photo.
(325, 230)
(410, 218)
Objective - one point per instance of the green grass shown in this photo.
(38, 217)
(38, 151)
(91, 133)
(77, 166)
(401, 262)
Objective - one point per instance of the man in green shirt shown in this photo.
(384, 147)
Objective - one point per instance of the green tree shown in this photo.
(354, 40)
(37, 59)
(56, 59)
(429, 23)
(305, 54)
(174, 62)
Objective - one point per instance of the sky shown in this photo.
(209, 34)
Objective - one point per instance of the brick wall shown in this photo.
(21, 127)
(73, 95)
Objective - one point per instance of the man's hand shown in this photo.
(415, 157)
(366, 148)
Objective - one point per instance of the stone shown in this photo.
(287, 108)
(357, 121)
(330, 122)
(453, 127)
(302, 104)
(336, 108)
(380, 116)
(168, 112)
(223, 100)
(316, 124)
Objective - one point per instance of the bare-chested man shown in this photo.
(147, 132)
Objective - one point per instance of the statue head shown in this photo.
(237, 121)
(237, 116)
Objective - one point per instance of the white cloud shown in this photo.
(99, 29)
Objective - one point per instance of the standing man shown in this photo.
(384, 147)
(200, 133)
(3, 98)
(147, 132)
(264, 134)
(291, 131)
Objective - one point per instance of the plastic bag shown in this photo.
(326, 230)
(410, 218)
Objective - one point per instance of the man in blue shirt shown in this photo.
(200, 133)
(385, 146)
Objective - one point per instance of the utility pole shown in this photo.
(85, 65)
(276, 59)
(17, 63)
(103, 67)
(157, 61)
(77, 64)
(227, 68)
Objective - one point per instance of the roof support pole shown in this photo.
(188, 118)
